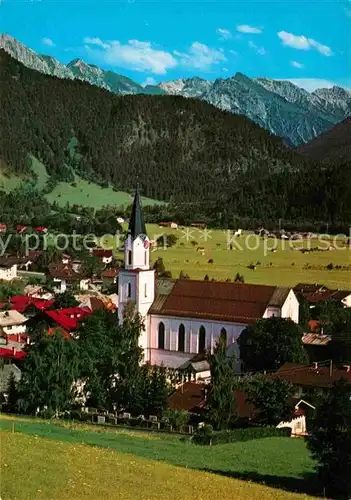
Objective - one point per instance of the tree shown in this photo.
(221, 402)
(156, 390)
(92, 266)
(49, 371)
(65, 299)
(270, 398)
(12, 395)
(269, 343)
(329, 440)
(159, 266)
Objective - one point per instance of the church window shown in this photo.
(145, 258)
(181, 338)
(161, 335)
(129, 290)
(145, 290)
(129, 257)
(223, 336)
(202, 339)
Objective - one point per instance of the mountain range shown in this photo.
(279, 106)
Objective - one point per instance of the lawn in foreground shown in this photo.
(40, 468)
(280, 462)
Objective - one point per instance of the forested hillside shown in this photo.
(180, 150)
(331, 146)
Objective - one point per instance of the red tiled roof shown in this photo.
(189, 397)
(217, 301)
(100, 252)
(21, 303)
(110, 273)
(63, 316)
(320, 293)
(308, 376)
(40, 229)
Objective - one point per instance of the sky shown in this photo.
(306, 41)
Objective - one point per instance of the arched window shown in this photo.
(161, 335)
(202, 339)
(181, 338)
(129, 257)
(223, 336)
(129, 291)
(145, 258)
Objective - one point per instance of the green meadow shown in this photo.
(286, 266)
(64, 461)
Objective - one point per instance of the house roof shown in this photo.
(100, 252)
(190, 397)
(62, 271)
(136, 222)
(69, 317)
(216, 300)
(309, 376)
(315, 339)
(320, 293)
(109, 273)
(21, 303)
(61, 330)
(12, 317)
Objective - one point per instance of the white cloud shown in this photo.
(234, 52)
(200, 56)
(136, 55)
(224, 34)
(225, 70)
(296, 64)
(259, 50)
(301, 42)
(245, 28)
(48, 42)
(149, 81)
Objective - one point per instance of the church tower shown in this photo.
(136, 281)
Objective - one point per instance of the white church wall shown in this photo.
(170, 354)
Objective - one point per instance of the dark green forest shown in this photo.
(206, 162)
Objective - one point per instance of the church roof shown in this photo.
(221, 301)
(136, 222)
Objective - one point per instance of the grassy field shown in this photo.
(285, 266)
(82, 193)
(89, 194)
(62, 462)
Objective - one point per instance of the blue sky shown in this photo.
(308, 42)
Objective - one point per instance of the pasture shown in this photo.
(285, 266)
(81, 462)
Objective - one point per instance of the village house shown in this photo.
(13, 322)
(65, 276)
(307, 379)
(8, 272)
(109, 277)
(315, 294)
(106, 256)
(185, 317)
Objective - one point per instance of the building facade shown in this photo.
(184, 318)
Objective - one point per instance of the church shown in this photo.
(184, 318)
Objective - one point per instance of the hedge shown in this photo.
(206, 436)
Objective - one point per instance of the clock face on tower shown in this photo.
(146, 244)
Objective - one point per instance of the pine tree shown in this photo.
(221, 401)
(12, 395)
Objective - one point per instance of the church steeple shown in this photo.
(137, 244)
(136, 224)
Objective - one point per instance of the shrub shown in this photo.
(176, 418)
(203, 435)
